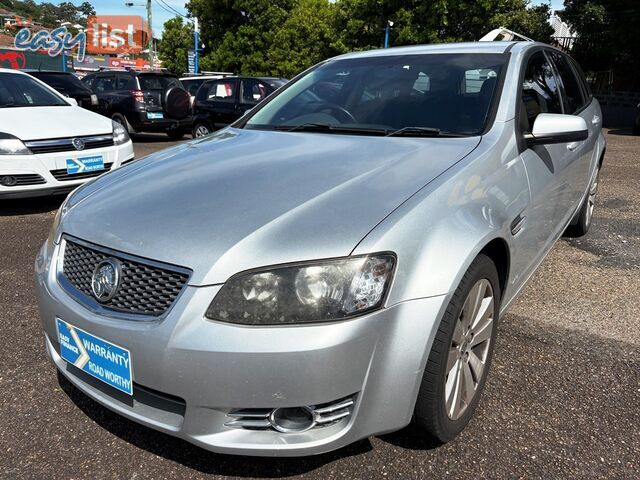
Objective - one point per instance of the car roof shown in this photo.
(461, 47)
(11, 70)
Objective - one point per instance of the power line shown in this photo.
(170, 9)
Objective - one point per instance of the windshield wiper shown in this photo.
(415, 132)
(328, 128)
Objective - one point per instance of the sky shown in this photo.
(161, 13)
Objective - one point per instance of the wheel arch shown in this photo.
(498, 251)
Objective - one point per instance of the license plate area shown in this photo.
(94, 163)
(155, 115)
(99, 358)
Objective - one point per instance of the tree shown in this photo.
(305, 38)
(177, 39)
(362, 22)
(607, 36)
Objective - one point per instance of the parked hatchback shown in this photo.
(221, 102)
(50, 145)
(335, 264)
(68, 85)
(143, 101)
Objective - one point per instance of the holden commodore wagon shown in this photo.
(334, 264)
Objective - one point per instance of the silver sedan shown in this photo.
(334, 264)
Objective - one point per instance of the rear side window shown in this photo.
(125, 82)
(253, 91)
(88, 80)
(220, 91)
(573, 98)
(583, 80)
(539, 89)
(104, 84)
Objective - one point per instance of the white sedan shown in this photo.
(48, 144)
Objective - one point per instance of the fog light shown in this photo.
(293, 419)
(8, 180)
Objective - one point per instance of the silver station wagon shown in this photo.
(334, 264)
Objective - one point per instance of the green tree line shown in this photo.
(284, 37)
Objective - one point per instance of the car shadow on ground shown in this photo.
(196, 458)
(28, 206)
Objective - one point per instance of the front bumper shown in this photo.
(43, 174)
(189, 372)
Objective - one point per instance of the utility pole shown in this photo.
(149, 19)
(196, 48)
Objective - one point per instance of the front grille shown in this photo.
(21, 179)
(62, 176)
(145, 288)
(66, 144)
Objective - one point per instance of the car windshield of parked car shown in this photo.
(24, 91)
(429, 94)
(63, 82)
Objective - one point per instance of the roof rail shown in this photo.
(505, 35)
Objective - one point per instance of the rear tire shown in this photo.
(580, 226)
(460, 357)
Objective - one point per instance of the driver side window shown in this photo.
(539, 91)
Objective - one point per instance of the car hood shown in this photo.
(241, 199)
(35, 123)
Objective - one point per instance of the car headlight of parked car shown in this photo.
(120, 134)
(10, 145)
(305, 293)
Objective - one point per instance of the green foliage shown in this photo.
(49, 14)
(284, 37)
(177, 39)
(607, 34)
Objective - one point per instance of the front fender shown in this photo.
(438, 232)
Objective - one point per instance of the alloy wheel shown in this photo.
(469, 349)
(591, 199)
(201, 131)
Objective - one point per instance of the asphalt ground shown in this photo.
(562, 399)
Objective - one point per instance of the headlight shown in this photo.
(120, 134)
(305, 293)
(10, 145)
(54, 235)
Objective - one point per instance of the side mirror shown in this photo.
(72, 101)
(551, 128)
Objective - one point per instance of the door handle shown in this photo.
(572, 146)
(595, 120)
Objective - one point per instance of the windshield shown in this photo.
(418, 94)
(24, 91)
(63, 82)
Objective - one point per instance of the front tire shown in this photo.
(201, 130)
(460, 357)
(122, 120)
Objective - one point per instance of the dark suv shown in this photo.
(142, 101)
(221, 102)
(69, 85)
